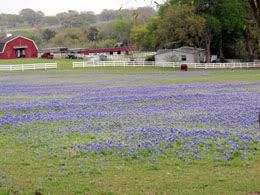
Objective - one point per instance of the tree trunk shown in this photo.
(208, 53)
(196, 56)
(255, 5)
(248, 42)
(221, 55)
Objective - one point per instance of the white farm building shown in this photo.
(183, 54)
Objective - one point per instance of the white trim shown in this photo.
(17, 38)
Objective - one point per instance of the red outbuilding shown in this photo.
(18, 47)
(107, 51)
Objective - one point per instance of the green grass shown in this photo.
(62, 63)
(69, 172)
(138, 76)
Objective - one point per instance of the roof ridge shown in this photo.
(8, 39)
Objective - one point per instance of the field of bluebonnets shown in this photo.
(129, 132)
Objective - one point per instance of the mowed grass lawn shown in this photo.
(62, 63)
(129, 131)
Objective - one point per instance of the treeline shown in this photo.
(71, 18)
(76, 29)
(228, 28)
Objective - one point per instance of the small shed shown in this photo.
(18, 47)
(183, 54)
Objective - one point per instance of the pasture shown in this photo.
(129, 131)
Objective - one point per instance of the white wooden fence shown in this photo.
(23, 67)
(209, 65)
(163, 64)
(111, 64)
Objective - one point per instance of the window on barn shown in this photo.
(119, 52)
(183, 57)
(111, 53)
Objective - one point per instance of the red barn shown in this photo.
(18, 47)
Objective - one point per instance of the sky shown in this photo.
(52, 7)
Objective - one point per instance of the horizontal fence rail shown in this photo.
(163, 64)
(111, 64)
(23, 67)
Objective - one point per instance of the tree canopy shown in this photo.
(229, 29)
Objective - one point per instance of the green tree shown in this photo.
(230, 14)
(150, 37)
(107, 15)
(121, 29)
(71, 19)
(10, 20)
(142, 15)
(106, 43)
(92, 34)
(137, 37)
(74, 19)
(48, 34)
(255, 8)
(180, 23)
(31, 17)
(212, 30)
(252, 33)
(73, 37)
(50, 21)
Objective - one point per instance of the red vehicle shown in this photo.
(47, 56)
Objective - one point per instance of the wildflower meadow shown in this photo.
(129, 132)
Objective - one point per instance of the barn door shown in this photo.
(20, 53)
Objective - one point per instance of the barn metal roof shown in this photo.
(2, 47)
(4, 41)
(184, 50)
(7, 39)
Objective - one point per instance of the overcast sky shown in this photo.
(52, 7)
